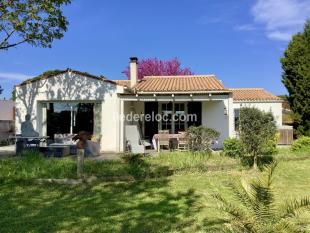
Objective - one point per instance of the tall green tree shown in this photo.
(296, 78)
(36, 22)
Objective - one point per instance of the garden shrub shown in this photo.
(262, 161)
(232, 147)
(270, 148)
(300, 144)
(257, 128)
(201, 138)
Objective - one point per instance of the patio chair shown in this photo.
(144, 141)
(163, 139)
(182, 141)
(133, 139)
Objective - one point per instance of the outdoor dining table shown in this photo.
(169, 136)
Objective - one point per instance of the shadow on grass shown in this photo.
(262, 161)
(144, 206)
(141, 169)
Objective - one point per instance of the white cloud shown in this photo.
(245, 27)
(281, 18)
(279, 35)
(8, 76)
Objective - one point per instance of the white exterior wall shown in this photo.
(219, 115)
(274, 107)
(70, 86)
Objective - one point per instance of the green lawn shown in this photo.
(156, 201)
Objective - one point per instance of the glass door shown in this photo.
(151, 125)
(58, 119)
(166, 112)
(179, 117)
(68, 118)
(173, 117)
(83, 117)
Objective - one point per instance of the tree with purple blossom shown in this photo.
(156, 67)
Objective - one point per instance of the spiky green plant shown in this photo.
(258, 212)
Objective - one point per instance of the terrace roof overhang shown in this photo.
(177, 96)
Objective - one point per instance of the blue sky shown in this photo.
(240, 41)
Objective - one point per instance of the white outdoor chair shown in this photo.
(144, 142)
(133, 137)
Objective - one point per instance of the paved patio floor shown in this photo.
(7, 151)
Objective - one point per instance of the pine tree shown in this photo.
(296, 78)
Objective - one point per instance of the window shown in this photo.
(166, 109)
(58, 119)
(83, 117)
(179, 123)
(65, 118)
(237, 118)
(173, 117)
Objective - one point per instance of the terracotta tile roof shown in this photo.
(125, 83)
(177, 84)
(253, 94)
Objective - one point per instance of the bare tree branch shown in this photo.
(12, 45)
(9, 34)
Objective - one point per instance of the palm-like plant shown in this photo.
(259, 213)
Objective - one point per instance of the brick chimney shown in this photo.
(133, 66)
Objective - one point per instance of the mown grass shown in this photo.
(180, 202)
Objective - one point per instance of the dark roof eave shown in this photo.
(38, 78)
(258, 100)
(181, 92)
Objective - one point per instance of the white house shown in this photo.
(6, 118)
(258, 98)
(69, 101)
